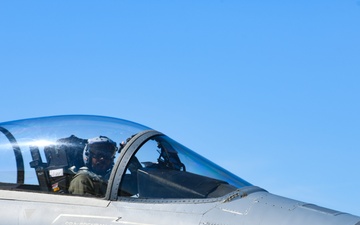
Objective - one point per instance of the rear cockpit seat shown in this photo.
(62, 159)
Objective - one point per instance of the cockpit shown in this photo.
(45, 154)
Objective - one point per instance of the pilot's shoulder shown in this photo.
(84, 172)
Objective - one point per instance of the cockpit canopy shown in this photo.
(44, 154)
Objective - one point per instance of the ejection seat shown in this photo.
(55, 174)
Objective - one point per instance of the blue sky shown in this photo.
(267, 89)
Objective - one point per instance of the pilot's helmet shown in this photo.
(99, 147)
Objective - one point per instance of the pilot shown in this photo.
(98, 155)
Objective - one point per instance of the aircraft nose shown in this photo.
(263, 208)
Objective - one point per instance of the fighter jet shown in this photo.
(150, 179)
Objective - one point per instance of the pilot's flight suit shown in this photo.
(86, 182)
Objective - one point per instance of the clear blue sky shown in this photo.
(267, 89)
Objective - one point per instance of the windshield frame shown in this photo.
(135, 144)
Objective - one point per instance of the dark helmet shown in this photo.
(102, 146)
